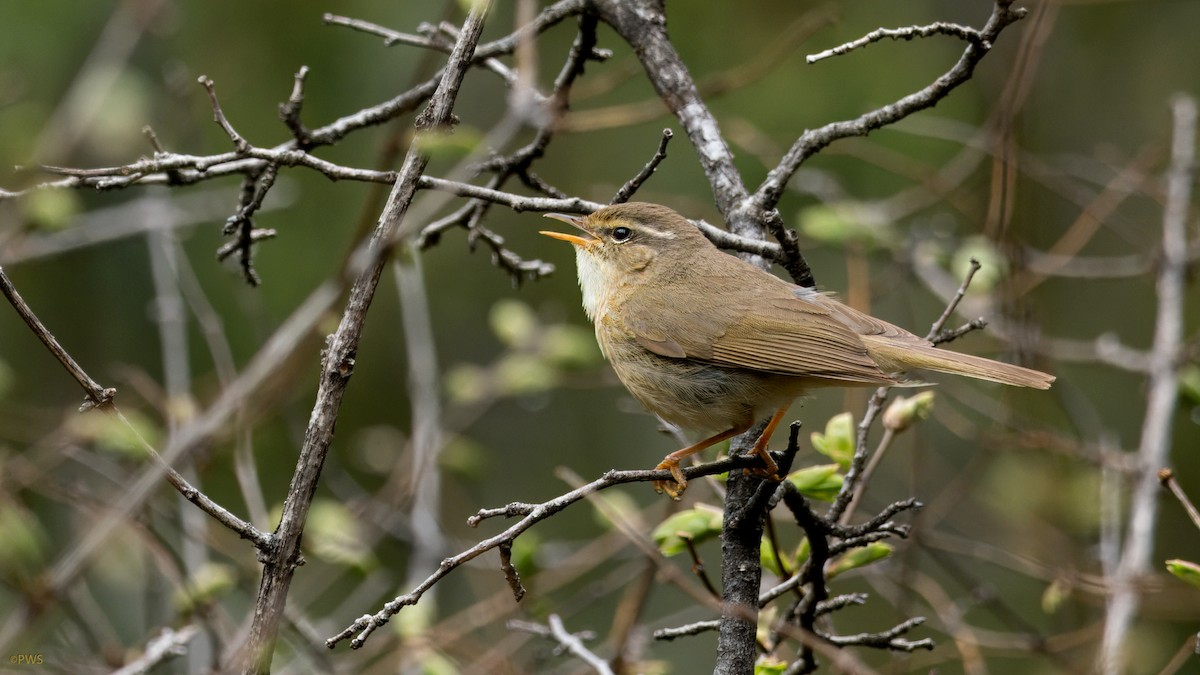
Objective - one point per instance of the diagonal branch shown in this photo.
(810, 142)
(339, 359)
(102, 398)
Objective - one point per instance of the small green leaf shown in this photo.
(437, 663)
(695, 524)
(992, 264)
(524, 554)
(208, 583)
(614, 506)
(51, 209)
(464, 457)
(803, 551)
(818, 482)
(335, 534)
(1058, 592)
(843, 222)
(767, 558)
(467, 383)
(113, 435)
(453, 145)
(906, 411)
(837, 443)
(518, 374)
(769, 665)
(514, 323)
(1189, 383)
(24, 548)
(415, 623)
(1185, 570)
(570, 347)
(859, 557)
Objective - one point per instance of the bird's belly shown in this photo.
(700, 396)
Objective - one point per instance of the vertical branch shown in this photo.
(643, 25)
(170, 315)
(1155, 445)
(424, 479)
(339, 359)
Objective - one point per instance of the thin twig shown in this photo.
(289, 111)
(239, 143)
(888, 639)
(953, 334)
(571, 643)
(102, 398)
(510, 572)
(812, 141)
(938, 325)
(696, 628)
(97, 395)
(632, 185)
(168, 643)
(698, 568)
(939, 28)
(1167, 478)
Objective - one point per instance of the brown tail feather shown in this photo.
(901, 356)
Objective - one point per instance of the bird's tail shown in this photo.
(902, 356)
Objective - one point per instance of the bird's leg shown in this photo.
(760, 446)
(671, 461)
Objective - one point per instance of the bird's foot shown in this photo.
(675, 487)
(769, 470)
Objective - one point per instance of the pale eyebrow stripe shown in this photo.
(656, 233)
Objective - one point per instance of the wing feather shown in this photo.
(785, 330)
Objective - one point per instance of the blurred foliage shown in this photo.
(820, 481)
(1011, 479)
(696, 525)
(837, 443)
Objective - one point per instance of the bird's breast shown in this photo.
(693, 394)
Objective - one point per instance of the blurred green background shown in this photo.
(1012, 526)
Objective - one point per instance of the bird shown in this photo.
(714, 345)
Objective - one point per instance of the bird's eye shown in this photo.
(620, 234)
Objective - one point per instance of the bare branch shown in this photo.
(569, 642)
(938, 28)
(289, 111)
(239, 143)
(953, 334)
(166, 644)
(769, 192)
(102, 398)
(688, 630)
(937, 326)
(510, 572)
(98, 396)
(888, 639)
(1167, 478)
(632, 185)
(530, 515)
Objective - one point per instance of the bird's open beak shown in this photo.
(577, 221)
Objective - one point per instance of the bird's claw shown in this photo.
(674, 487)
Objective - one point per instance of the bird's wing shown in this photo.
(785, 330)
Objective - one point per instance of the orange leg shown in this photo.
(760, 446)
(671, 461)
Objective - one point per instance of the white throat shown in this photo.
(591, 282)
